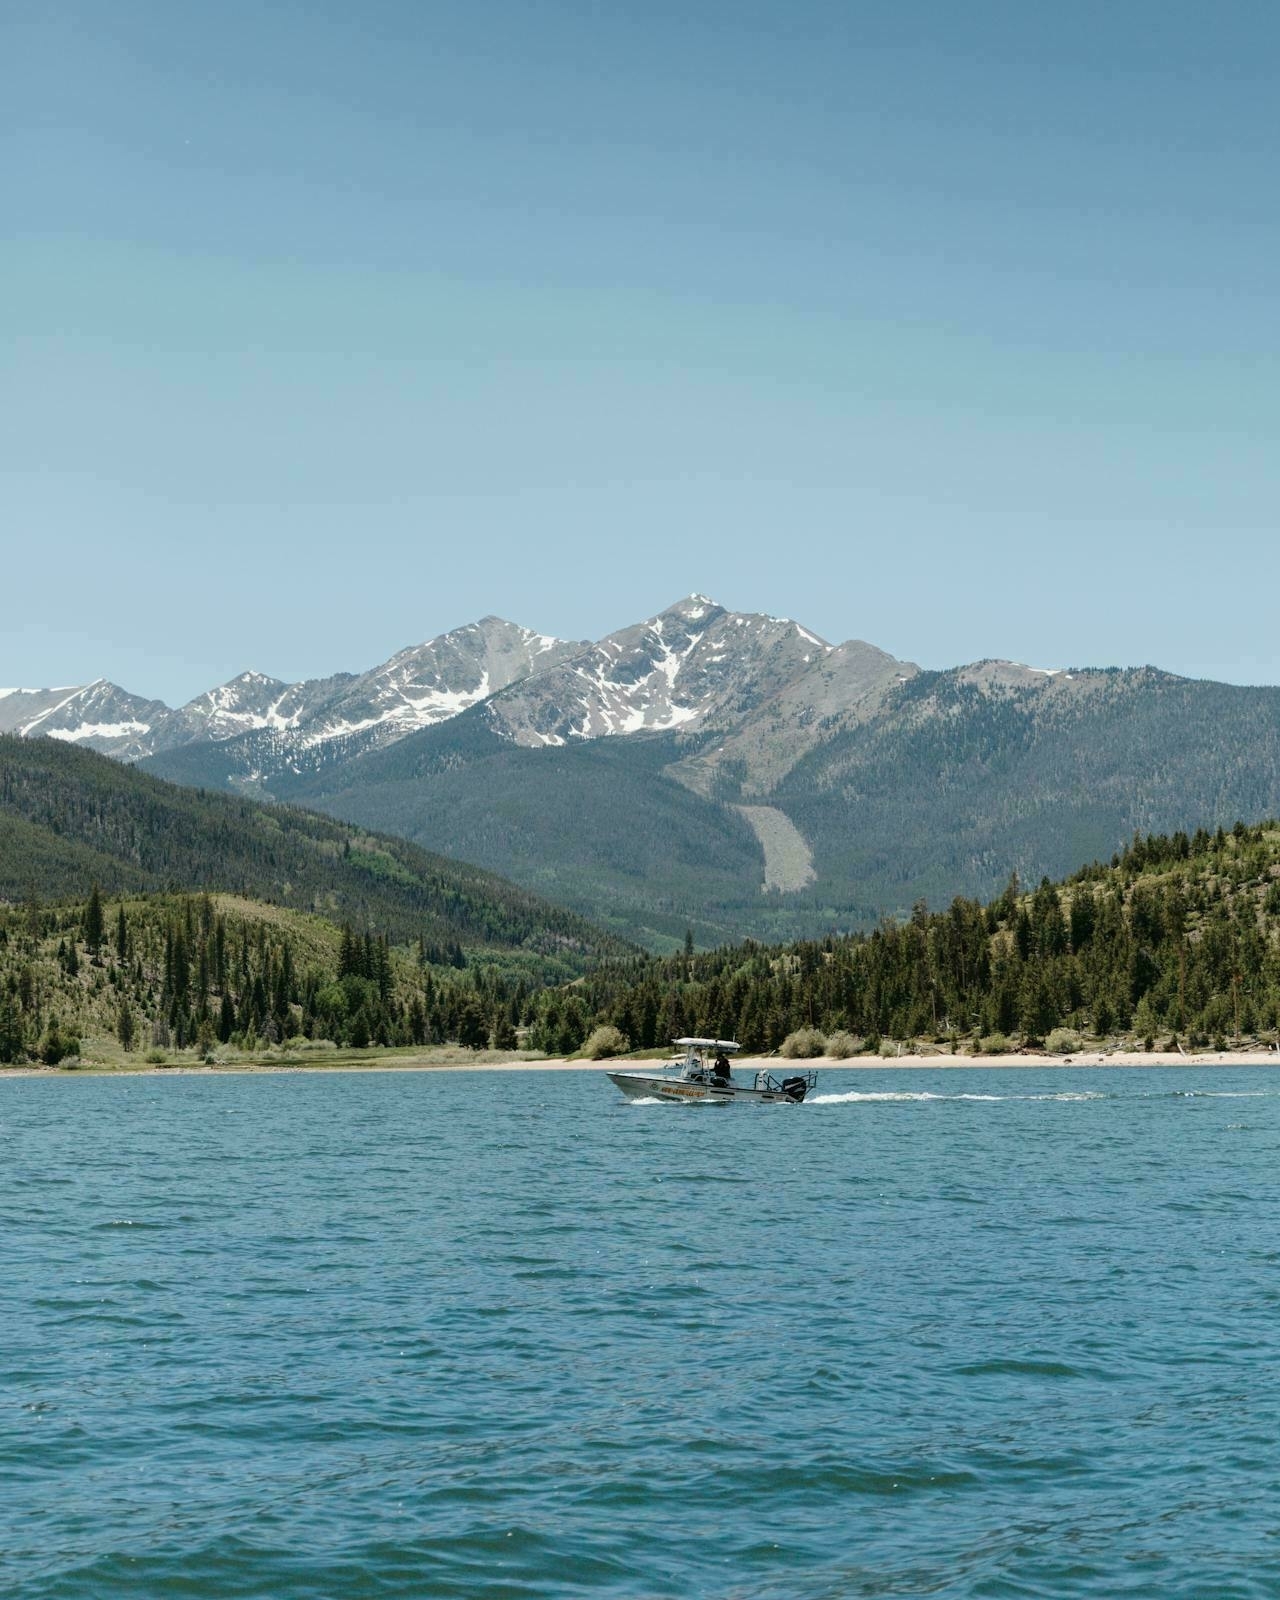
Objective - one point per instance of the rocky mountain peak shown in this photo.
(248, 701)
(100, 714)
(251, 676)
(431, 682)
(694, 608)
(694, 667)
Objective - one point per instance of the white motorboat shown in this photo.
(701, 1075)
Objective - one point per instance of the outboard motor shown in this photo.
(794, 1088)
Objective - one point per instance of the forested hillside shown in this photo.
(596, 823)
(150, 976)
(69, 818)
(1177, 939)
(964, 776)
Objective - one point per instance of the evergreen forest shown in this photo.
(213, 975)
(1175, 943)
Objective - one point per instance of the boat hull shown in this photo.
(656, 1086)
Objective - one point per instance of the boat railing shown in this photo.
(774, 1085)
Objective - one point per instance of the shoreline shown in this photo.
(1085, 1059)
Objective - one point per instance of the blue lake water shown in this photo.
(966, 1333)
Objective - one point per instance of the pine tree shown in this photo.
(12, 1042)
(93, 923)
(381, 968)
(417, 1021)
(473, 1030)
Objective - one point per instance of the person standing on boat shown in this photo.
(720, 1068)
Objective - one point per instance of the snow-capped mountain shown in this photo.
(765, 689)
(432, 682)
(99, 714)
(417, 687)
(766, 683)
(247, 703)
(694, 666)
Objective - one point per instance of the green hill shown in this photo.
(1179, 938)
(598, 823)
(171, 978)
(69, 818)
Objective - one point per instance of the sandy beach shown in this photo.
(743, 1065)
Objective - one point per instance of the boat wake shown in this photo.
(856, 1096)
(861, 1096)
(1065, 1096)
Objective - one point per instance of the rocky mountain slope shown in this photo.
(99, 715)
(416, 688)
(959, 776)
(694, 667)
(767, 686)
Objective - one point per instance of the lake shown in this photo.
(955, 1333)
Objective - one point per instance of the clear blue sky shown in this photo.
(327, 327)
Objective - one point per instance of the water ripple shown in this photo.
(956, 1334)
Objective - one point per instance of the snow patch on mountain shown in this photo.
(99, 730)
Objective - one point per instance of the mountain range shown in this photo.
(414, 689)
(729, 772)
